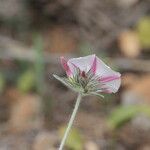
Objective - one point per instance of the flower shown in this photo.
(89, 75)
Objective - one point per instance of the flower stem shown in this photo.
(71, 121)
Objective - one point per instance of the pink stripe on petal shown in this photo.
(109, 78)
(106, 90)
(74, 66)
(65, 66)
(93, 68)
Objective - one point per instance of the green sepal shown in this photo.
(97, 94)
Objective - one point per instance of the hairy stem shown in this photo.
(71, 121)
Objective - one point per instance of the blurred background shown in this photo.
(35, 108)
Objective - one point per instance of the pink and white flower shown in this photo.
(89, 75)
(108, 79)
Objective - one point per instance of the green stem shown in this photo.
(71, 121)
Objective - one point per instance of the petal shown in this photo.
(110, 78)
(106, 90)
(83, 63)
(94, 64)
(65, 66)
(112, 86)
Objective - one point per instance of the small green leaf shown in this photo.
(123, 114)
(74, 140)
(26, 82)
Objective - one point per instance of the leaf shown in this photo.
(123, 114)
(26, 82)
(74, 140)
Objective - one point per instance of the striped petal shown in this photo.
(83, 63)
(65, 66)
(110, 79)
(94, 64)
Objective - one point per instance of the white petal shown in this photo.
(114, 85)
(83, 63)
(103, 70)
